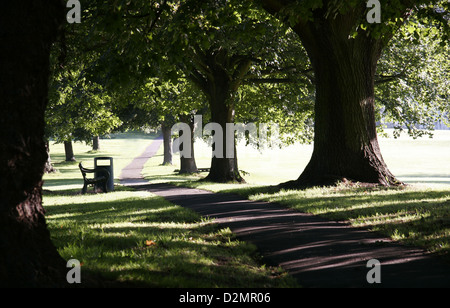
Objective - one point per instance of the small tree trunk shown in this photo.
(68, 149)
(188, 164)
(167, 141)
(96, 143)
(219, 75)
(48, 168)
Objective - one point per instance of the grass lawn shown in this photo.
(134, 238)
(122, 147)
(418, 214)
(138, 238)
(423, 161)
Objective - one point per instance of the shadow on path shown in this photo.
(316, 251)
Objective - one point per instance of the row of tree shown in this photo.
(319, 61)
(257, 62)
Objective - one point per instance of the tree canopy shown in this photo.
(259, 60)
(344, 49)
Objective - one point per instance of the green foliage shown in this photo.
(137, 56)
(78, 109)
(205, 37)
(414, 75)
(103, 77)
(290, 106)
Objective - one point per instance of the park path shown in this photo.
(132, 173)
(317, 252)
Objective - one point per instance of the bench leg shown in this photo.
(84, 190)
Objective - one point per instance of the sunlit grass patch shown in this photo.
(137, 238)
(413, 215)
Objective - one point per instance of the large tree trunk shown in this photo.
(167, 142)
(188, 164)
(27, 256)
(345, 143)
(224, 74)
(223, 169)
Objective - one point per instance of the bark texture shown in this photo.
(96, 143)
(27, 256)
(345, 144)
(219, 76)
(68, 149)
(188, 164)
(48, 168)
(167, 142)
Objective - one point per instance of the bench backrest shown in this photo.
(84, 170)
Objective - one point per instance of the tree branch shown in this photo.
(239, 73)
(198, 80)
(269, 80)
(385, 79)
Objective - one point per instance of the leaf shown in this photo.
(150, 243)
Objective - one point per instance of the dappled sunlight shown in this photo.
(414, 215)
(134, 236)
(423, 161)
(137, 238)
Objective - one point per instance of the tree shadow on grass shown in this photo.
(150, 242)
(51, 183)
(415, 217)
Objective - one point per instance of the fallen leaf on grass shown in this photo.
(150, 243)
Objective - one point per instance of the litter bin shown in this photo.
(105, 163)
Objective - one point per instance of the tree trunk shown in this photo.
(224, 74)
(68, 149)
(223, 169)
(27, 256)
(345, 143)
(188, 164)
(48, 168)
(95, 143)
(167, 141)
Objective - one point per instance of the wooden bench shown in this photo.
(100, 180)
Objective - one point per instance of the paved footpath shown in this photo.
(317, 252)
(131, 174)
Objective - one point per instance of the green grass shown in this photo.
(423, 161)
(134, 238)
(122, 147)
(416, 215)
(411, 215)
(139, 239)
(109, 232)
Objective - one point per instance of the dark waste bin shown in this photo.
(105, 163)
